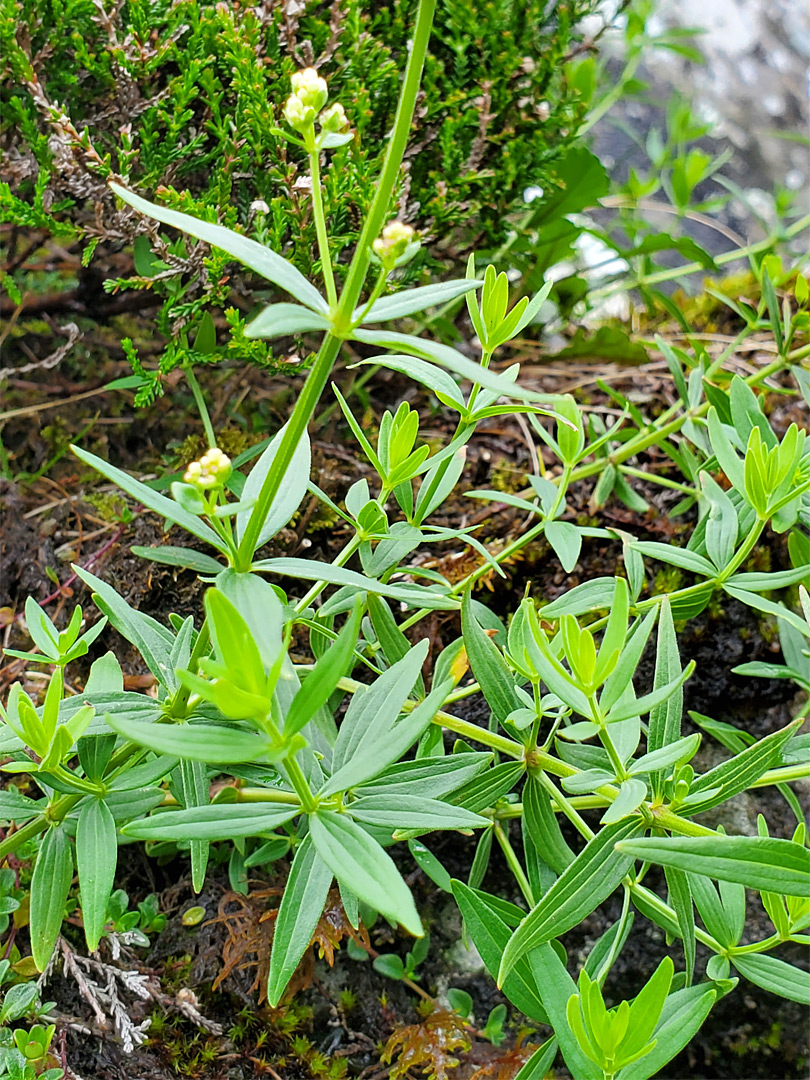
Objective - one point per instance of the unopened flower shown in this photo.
(298, 115)
(393, 242)
(310, 88)
(211, 471)
(334, 119)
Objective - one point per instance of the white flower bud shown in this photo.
(310, 88)
(334, 119)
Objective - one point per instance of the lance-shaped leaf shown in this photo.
(250, 253)
(301, 905)
(556, 989)
(279, 320)
(50, 885)
(737, 774)
(179, 556)
(357, 859)
(775, 975)
(580, 889)
(411, 300)
(779, 866)
(414, 596)
(320, 683)
(289, 495)
(210, 743)
(434, 378)
(490, 934)
(488, 666)
(214, 822)
(544, 829)
(681, 1018)
(96, 858)
(452, 360)
(413, 812)
(193, 789)
(153, 641)
(153, 500)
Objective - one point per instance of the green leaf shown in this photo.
(153, 500)
(680, 898)
(179, 556)
(594, 595)
(289, 495)
(50, 884)
(431, 779)
(544, 829)
(320, 683)
(220, 821)
(250, 253)
(486, 789)
(413, 595)
(681, 1018)
(779, 866)
(556, 988)
(759, 603)
(631, 795)
(566, 540)
(301, 905)
(666, 693)
(17, 807)
(765, 582)
(451, 359)
(580, 889)
(375, 738)
(490, 934)
(434, 378)
(354, 857)
(193, 791)
(280, 320)
(209, 743)
(96, 858)
(721, 525)
(488, 666)
(394, 643)
(740, 772)
(539, 1064)
(429, 865)
(675, 556)
(775, 975)
(675, 753)
(153, 641)
(413, 812)
(409, 301)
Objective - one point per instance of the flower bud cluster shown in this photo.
(211, 471)
(393, 242)
(308, 98)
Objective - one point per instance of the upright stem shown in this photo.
(319, 373)
(320, 222)
(199, 399)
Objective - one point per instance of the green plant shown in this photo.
(568, 734)
(25, 1052)
(207, 78)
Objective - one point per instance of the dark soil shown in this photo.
(341, 1017)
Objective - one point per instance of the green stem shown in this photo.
(321, 369)
(756, 946)
(375, 219)
(320, 218)
(199, 398)
(341, 559)
(739, 558)
(178, 710)
(514, 863)
(299, 782)
(696, 267)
